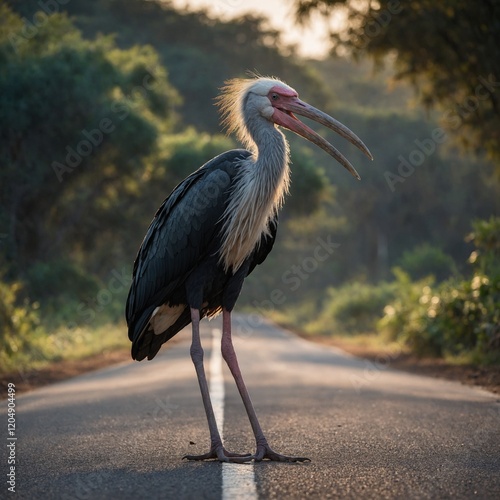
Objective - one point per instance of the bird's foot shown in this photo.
(265, 452)
(218, 452)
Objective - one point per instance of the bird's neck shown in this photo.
(258, 193)
(271, 158)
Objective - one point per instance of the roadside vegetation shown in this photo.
(102, 117)
(456, 317)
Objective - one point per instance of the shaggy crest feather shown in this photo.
(231, 99)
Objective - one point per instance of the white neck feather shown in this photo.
(258, 193)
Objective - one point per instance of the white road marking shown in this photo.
(238, 480)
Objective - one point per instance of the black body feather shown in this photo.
(179, 260)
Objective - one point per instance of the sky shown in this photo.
(311, 40)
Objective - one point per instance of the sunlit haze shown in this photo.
(311, 39)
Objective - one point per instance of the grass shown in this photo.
(65, 344)
(368, 342)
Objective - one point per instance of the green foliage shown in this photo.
(453, 318)
(27, 343)
(405, 318)
(468, 315)
(426, 260)
(310, 186)
(199, 52)
(456, 316)
(19, 325)
(354, 307)
(189, 150)
(60, 287)
(386, 220)
(486, 238)
(48, 279)
(82, 116)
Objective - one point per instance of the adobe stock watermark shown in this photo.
(87, 485)
(475, 454)
(197, 200)
(378, 23)
(164, 406)
(118, 280)
(12, 459)
(93, 138)
(39, 19)
(454, 118)
(373, 369)
(479, 436)
(88, 311)
(292, 279)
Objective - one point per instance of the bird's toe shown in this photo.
(265, 452)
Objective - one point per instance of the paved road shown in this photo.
(371, 432)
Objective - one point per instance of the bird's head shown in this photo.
(242, 100)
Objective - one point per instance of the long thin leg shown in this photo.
(217, 449)
(263, 451)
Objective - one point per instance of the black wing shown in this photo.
(179, 237)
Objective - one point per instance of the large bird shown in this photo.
(214, 228)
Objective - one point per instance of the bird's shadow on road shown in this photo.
(182, 480)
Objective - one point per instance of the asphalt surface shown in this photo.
(370, 431)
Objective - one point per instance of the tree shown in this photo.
(199, 52)
(449, 50)
(79, 121)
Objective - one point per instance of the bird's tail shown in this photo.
(147, 344)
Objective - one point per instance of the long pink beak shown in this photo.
(283, 116)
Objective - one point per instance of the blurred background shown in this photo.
(106, 105)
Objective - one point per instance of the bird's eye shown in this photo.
(274, 97)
